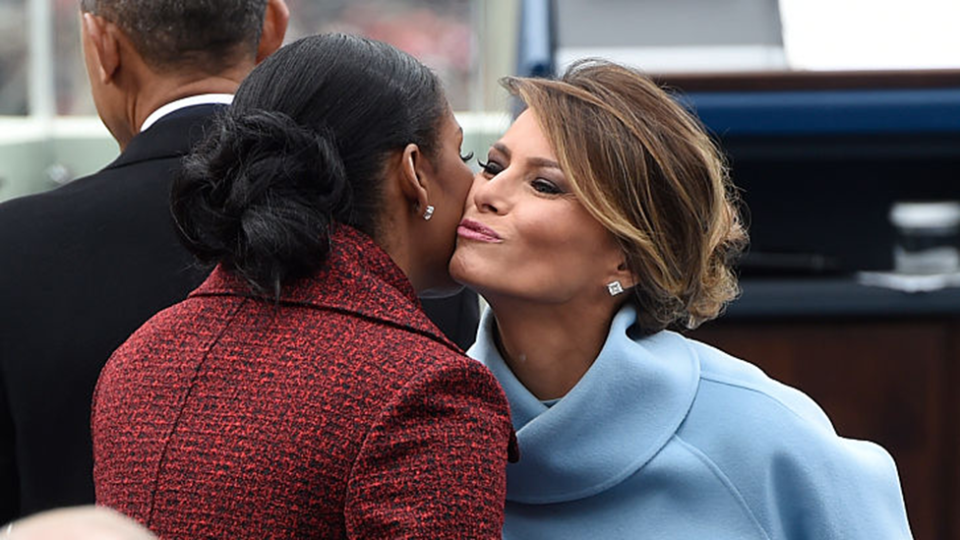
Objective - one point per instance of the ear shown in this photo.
(102, 36)
(275, 20)
(412, 180)
(622, 273)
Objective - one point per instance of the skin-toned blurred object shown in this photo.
(77, 523)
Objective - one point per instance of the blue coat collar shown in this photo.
(622, 412)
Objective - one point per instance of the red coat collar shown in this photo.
(359, 278)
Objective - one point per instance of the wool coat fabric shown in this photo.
(665, 437)
(339, 411)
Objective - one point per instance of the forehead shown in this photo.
(526, 138)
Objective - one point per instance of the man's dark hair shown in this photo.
(206, 35)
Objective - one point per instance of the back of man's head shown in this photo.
(206, 36)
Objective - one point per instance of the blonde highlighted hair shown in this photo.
(645, 168)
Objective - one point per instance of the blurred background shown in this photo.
(840, 120)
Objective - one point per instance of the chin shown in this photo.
(458, 270)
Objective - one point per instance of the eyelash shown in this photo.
(489, 168)
(545, 187)
(539, 185)
(466, 158)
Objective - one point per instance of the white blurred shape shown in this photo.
(871, 34)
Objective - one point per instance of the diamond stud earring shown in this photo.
(614, 288)
(428, 213)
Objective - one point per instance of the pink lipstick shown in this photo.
(478, 231)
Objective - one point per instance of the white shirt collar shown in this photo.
(202, 99)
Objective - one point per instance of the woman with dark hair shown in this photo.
(603, 218)
(300, 392)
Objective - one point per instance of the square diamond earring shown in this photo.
(614, 288)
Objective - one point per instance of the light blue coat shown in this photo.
(665, 437)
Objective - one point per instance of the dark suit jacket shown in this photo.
(338, 411)
(81, 268)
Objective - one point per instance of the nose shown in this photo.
(487, 194)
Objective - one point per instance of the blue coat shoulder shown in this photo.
(776, 449)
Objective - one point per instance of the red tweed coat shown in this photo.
(341, 412)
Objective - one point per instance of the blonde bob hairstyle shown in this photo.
(645, 168)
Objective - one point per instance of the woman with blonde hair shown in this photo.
(602, 220)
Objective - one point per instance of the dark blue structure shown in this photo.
(819, 169)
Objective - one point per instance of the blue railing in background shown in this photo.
(828, 112)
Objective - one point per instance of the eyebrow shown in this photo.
(537, 162)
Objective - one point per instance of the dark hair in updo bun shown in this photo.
(303, 146)
(268, 194)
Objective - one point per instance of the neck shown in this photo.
(397, 235)
(158, 90)
(550, 347)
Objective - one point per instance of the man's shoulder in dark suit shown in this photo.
(81, 267)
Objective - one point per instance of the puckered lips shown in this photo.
(474, 230)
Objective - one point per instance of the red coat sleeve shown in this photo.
(434, 463)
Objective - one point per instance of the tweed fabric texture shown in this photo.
(340, 411)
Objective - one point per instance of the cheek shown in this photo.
(552, 256)
(557, 257)
(456, 180)
(464, 183)
(477, 180)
